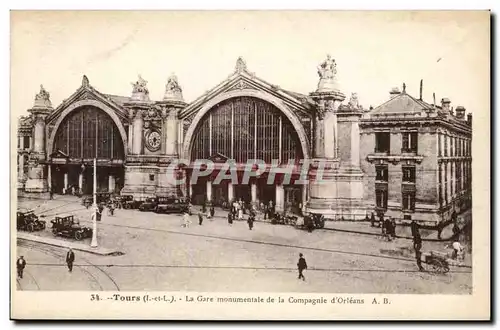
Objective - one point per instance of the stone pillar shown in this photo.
(253, 191)
(130, 135)
(319, 150)
(20, 142)
(209, 190)
(49, 177)
(20, 173)
(66, 181)
(280, 198)
(171, 142)
(137, 133)
(304, 195)
(37, 182)
(164, 116)
(230, 192)
(80, 182)
(111, 183)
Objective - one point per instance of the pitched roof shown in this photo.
(402, 103)
(118, 99)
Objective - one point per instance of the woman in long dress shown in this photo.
(240, 214)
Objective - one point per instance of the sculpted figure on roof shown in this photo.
(327, 69)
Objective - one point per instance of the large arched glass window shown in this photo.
(244, 128)
(87, 133)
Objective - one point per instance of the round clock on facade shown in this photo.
(153, 140)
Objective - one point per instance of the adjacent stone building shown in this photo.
(416, 158)
(136, 140)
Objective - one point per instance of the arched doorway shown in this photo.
(84, 134)
(245, 128)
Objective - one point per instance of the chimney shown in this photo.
(445, 105)
(460, 112)
(421, 88)
(394, 92)
(469, 119)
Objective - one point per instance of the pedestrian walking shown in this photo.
(414, 228)
(187, 220)
(417, 245)
(372, 220)
(212, 212)
(250, 221)
(70, 258)
(240, 213)
(51, 193)
(301, 265)
(200, 219)
(230, 218)
(393, 228)
(204, 207)
(20, 265)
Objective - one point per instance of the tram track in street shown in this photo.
(53, 251)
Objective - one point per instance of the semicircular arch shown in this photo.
(189, 137)
(82, 103)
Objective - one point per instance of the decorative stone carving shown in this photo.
(353, 104)
(241, 65)
(140, 90)
(85, 81)
(164, 113)
(327, 69)
(42, 99)
(173, 91)
(320, 109)
(240, 85)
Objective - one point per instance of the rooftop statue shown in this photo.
(173, 90)
(140, 86)
(43, 95)
(354, 102)
(240, 65)
(327, 69)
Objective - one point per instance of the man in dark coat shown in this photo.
(70, 258)
(20, 264)
(414, 228)
(250, 221)
(200, 219)
(230, 218)
(417, 245)
(301, 265)
(212, 211)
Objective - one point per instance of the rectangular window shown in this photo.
(451, 145)
(26, 142)
(409, 174)
(439, 145)
(445, 187)
(440, 185)
(409, 201)
(381, 198)
(151, 177)
(382, 173)
(458, 176)
(382, 142)
(410, 142)
(445, 146)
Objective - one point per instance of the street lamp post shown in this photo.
(94, 218)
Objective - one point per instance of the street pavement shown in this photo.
(159, 254)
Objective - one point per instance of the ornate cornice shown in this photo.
(394, 159)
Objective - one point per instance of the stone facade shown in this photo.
(336, 140)
(414, 159)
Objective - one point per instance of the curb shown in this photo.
(64, 244)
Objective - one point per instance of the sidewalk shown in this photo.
(66, 244)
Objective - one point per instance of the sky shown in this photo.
(374, 52)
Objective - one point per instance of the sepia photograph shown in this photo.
(318, 161)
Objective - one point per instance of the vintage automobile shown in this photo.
(172, 205)
(149, 204)
(29, 221)
(70, 227)
(128, 202)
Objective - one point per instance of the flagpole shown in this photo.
(94, 218)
